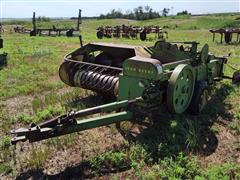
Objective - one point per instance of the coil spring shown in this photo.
(95, 81)
(94, 77)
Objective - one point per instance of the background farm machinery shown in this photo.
(3, 55)
(69, 32)
(20, 29)
(227, 33)
(1, 28)
(131, 32)
(172, 77)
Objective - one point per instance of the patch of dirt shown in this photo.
(23, 104)
(72, 158)
(19, 104)
(88, 144)
(226, 150)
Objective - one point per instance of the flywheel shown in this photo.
(180, 88)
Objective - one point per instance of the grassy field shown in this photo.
(179, 147)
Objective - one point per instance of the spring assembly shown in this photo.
(95, 77)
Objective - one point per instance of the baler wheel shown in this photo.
(236, 77)
(180, 88)
(200, 98)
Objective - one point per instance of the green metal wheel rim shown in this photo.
(180, 88)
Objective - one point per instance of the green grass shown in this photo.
(170, 148)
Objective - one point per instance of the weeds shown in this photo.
(62, 142)
(5, 142)
(109, 161)
(37, 158)
(36, 104)
(192, 134)
(5, 155)
(225, 171)
(41, 115)
(235, 126)
(41, 52)
(182, 167)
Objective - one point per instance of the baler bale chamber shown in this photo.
(143, 80)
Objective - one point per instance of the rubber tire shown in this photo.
(236, 77)
(33, 33)
(143, 35)
(99, 34)
(69, 33)
(1, 42)
(200, 87)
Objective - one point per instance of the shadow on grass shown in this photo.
(85, 102)
(165, 136)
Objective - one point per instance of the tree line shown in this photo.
(139, 13)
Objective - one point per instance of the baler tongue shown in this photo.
(42, 130)
(32, 134)
(68, 123)
(236, 77)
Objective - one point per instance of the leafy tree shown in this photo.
(165, 11)
(138, 13)
(183, 13)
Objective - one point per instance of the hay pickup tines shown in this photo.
(227, 33)
(133, 32)
(143, 81)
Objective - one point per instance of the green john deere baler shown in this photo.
(139, 80)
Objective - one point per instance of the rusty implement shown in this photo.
(167, 77)
(69, 32)
(3, 55)
(20, 29)
(133, 32)
(1, 28)
(227, 33)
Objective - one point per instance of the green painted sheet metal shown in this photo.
(130, 87)
(145, 68)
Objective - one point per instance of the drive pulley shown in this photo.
(180, 88)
